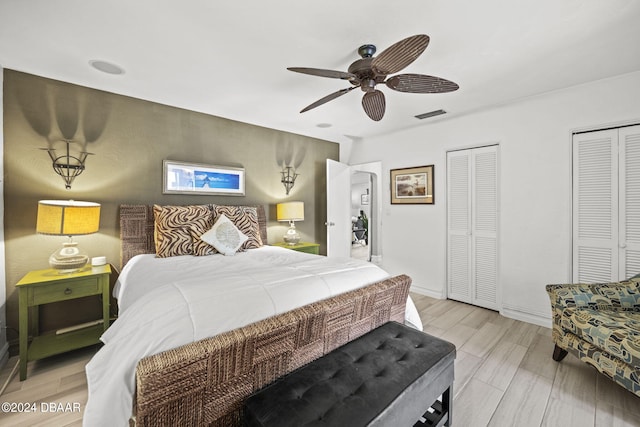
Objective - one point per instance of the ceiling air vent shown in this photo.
(430, 114)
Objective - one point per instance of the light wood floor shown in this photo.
(505, 377)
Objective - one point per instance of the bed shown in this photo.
(198, 332)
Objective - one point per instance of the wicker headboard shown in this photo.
(136, 230)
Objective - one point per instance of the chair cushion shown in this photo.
(615, 332)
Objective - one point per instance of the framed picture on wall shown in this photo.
(364, 199)
(412, 186)
(195, 178)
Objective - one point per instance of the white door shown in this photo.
(472, 223)
(595, 206)
(606, 205)
(459, 225)
(484, 232)
(629, 230)
(338, 209)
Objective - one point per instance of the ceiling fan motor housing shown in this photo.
(367, 78)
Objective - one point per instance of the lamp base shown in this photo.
(68, 258)
(291, 237)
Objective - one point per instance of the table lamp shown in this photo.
(68, 218)
(290, 211)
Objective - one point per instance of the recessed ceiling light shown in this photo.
(106, 67)
(324, 125)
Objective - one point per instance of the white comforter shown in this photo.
(168, 302)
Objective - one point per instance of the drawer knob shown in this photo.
(67, 291)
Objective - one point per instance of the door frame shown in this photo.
(374, 169)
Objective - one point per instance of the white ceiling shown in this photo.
(229, 58)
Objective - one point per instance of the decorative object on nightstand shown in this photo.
(47, 286)
(306, 247)
(292, 212)
(68, 218)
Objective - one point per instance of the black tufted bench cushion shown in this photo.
(392, 376)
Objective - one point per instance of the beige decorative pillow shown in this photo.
(246, 219)
(200, 247)
(224, 236)
(172, 225)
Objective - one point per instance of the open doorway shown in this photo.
(343, 204)
(361, 203)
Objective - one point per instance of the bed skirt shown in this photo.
(207, 382)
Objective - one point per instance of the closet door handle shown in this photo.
(329, 224)
(623, 245)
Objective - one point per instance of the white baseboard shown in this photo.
(525, 316)
(517, 313)
(426, 292)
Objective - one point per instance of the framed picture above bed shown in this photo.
(196, 178)
(412, 185)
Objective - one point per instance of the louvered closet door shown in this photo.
(484, 229)
(606, 205)
(472, 258)
(629, 184)
(459, 225)
(595, 207)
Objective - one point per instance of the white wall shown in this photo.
(535, 187)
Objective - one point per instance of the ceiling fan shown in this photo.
(367, 72)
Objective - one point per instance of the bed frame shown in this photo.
(207, 382)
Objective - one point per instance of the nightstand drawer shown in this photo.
(63, 291)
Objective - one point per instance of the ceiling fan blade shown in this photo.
(374, 105)
(324, 73)
(327, 98)
(399, 55)
(420, 83)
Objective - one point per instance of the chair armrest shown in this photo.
(577, 295)
(598, 296)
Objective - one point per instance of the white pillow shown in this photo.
(224, 236)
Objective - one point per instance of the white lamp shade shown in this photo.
(290, 211)
(67, 217)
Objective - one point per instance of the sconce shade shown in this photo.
(290, 211)
(67, 165)
(67, 217)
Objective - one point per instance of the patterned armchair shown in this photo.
(600, 324)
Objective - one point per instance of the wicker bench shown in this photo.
(393, 375)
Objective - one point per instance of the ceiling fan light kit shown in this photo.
(367, 72)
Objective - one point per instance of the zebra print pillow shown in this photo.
(246, 219)
(200, 247)
(172, 225)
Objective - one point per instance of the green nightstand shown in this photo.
(306, 247)
(46, 286)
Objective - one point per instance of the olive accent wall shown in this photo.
(129, 139)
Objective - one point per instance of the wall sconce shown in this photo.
(289, 176)
(67, 218)
(66, 165)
